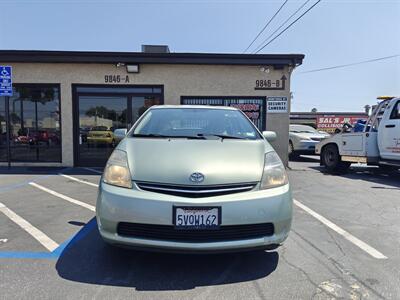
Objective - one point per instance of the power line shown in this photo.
(266, 25)
(290, 25)
(283, 24)
(351, 64)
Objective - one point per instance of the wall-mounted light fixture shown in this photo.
(132, 68)
(265, 69)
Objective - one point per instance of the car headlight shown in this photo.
(117, 170)
(274, 173)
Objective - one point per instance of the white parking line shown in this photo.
(42, 238)
(363, 246)
(94, 170)
(78, 180)
(54, 193)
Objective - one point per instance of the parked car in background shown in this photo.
(33, 137)
(303, 139)
(83, 132)
(100, 135)
(195, 178)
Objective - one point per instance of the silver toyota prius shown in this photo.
(194, 179)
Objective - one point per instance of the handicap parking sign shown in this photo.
(5, 81)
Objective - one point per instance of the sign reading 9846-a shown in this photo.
(5, 81)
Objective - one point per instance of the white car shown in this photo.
(303, 139)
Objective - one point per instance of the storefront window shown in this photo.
(100, 110)
(34, 124)
(253, 107)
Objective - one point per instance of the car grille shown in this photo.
(194, 191)
(169, 233)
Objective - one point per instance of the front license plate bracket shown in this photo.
(196, 217)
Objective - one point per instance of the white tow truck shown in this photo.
(377, 143)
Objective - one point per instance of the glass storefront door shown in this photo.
(35, 125)
(100, 111)
(99, 116)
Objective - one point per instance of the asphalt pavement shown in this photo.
(344, 244)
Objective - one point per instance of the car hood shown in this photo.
(174, 160)
(305, 135)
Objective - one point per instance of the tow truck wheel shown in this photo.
(332, 160)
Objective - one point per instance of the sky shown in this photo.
(334, 32)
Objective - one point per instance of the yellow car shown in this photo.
(100, 135)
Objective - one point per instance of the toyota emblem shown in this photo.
(196, 177)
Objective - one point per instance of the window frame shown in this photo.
(129, 95)
(222, 98)
(41, 85)
(396, 108)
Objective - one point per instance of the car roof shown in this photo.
(193, 107)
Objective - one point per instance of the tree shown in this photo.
(101, 111)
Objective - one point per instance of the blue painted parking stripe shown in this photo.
(77, 237)
(34, 255)
(57, 252)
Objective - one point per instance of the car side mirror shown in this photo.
(269, 135)
(120, 132)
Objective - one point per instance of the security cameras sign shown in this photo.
(5, 81)
(277, 105)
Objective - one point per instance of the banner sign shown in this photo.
(251, 110)
(254, 108)
(329, 123)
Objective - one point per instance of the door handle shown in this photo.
(390, 126)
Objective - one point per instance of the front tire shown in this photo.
(332, 160)
(292, 152)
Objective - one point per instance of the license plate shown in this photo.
(196, 217)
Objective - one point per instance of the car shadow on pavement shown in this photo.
(308, 158)
(90, 260)
(370, 174)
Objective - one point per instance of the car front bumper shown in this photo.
(116, 205)
(99, 140)
(306, 146)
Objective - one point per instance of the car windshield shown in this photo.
(195, 123)
(302, 129)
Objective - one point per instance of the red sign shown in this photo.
(251, 110)
(330, 122)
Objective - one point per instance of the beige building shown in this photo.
(60, 98)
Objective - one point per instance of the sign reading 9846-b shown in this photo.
(5, 81)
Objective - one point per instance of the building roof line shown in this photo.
(41, 56)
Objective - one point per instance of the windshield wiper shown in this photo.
(222, 136)
(149, 135)
(156, 135)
